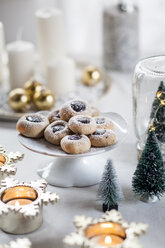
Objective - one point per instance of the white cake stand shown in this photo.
(80, 170)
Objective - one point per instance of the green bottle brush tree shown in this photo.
(149, 178)
(109, 192)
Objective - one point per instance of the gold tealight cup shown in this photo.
(106, 233)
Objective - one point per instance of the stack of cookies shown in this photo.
(75, 127)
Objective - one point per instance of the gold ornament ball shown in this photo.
(18, 99)
(32, 86)
(91, 75)
(44, 99)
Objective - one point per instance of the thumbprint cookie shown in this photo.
(74, 107)
(32, 125)
(103, 137)
(75, 143)
(56, 131)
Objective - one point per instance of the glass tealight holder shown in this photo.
(149, 100)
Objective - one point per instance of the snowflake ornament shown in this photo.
(79, 238)
(19, 243)
(7, 162)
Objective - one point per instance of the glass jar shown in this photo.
(149, 100)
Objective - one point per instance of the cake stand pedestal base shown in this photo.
(74, 172)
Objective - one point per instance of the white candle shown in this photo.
(21, 62)
(83, 22)
(61, 76)
(1, 51)
(50, 29)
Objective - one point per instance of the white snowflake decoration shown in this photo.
(30, 210)
(11, 158)
(19, 243)
(79, 239)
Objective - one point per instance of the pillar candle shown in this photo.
(61, 76)
(1, 51)
(120, 36)
(50, 30)
(83, 22)
(21, 62)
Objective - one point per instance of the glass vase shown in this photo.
(149, 100)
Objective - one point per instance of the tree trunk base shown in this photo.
(106, 207)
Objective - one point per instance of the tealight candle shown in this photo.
(50, 29)
(21, 62)
(61, 76)
(106, 233)
(105, 228)
(19, 192)
(107, 240)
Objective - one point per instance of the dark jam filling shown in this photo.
(78, 106)
(100, 121)
(84, 121)
(74, 137)
(33, 118)
(99, 132)
(57, 128)
(58, 115)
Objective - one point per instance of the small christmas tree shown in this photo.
(149, 177)
(109, 192)
(156, 102)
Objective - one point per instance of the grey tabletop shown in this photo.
(82, 201)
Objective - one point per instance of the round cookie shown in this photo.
(104, 123)
(54, 116)
(94, 111)
(82, 124)
(32, 125)
(103, 137)
(74, 107)
(75, 144)
(56, 131)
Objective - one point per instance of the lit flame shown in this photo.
(108, 240)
